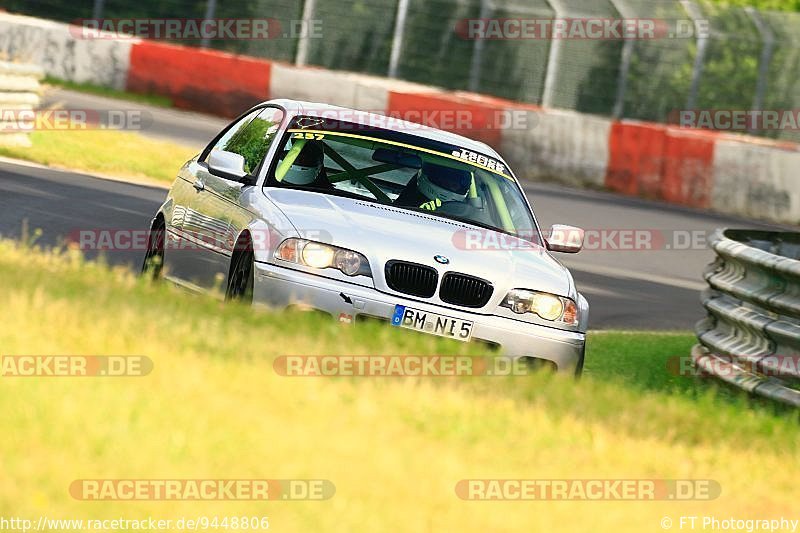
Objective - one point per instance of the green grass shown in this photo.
(114, 153)
(88, 88)
(395, 448)
(645, 362)
(765, 5)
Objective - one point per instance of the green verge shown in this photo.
(764, 5)
(98, 90)
(213, 407)
(114, 153)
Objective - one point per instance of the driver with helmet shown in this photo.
(308, 167)
(434, 185)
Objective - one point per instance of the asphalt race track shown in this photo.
(652, 286)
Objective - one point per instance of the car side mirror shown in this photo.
(229, 166)
(565, 239)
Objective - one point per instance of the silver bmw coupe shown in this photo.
(366, 217)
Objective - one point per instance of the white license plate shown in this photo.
(443, 326)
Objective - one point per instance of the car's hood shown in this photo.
(383, 233)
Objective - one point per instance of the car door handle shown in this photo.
(199, 185)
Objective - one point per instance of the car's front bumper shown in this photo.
(279, 287)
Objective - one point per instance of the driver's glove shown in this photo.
(432, 205)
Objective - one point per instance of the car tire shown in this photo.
(579, 366)
(242, 276)
(153, 263)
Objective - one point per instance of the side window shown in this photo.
(225, 139)
(253, 138)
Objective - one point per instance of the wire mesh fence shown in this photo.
(703, 56)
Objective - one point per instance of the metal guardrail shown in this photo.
(706, 52)
(19, 94)
(751, 336)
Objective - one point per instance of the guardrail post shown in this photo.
(304, 44)
(764, 60)
(397, 38)
(624, 68)
(211, 11)
(477, 52)
(699, 60)
(97, 9)
(554, 56)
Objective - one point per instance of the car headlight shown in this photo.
(548, 306)
(318, 255)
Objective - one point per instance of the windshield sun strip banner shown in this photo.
(463, 157)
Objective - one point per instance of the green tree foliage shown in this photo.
(659, 80)
(252, 143)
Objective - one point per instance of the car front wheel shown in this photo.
(154, 257)
(241, 278)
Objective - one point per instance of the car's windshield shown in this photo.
(403, 171)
